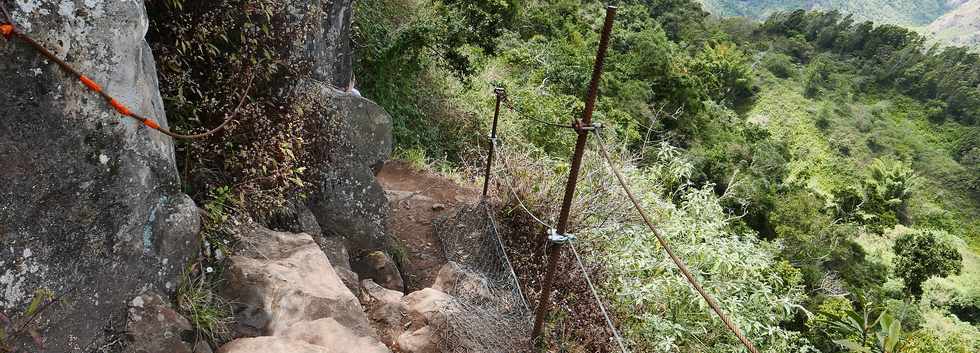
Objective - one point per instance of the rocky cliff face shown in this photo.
(350, 137)
(351, 140)
(90, 208)
(89, 201)
(326, 42)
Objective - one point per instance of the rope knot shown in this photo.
(7, 30)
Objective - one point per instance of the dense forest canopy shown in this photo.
(952, 22)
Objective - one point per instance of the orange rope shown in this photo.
(9, 31)
(90, 84)
(151, 124)
(120, 108)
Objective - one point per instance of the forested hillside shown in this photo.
(821, 176)
(951, 22)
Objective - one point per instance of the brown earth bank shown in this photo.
(416, 199)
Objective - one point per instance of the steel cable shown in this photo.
(578, 259)
(595, 294)
(518, 112)
(513, 191)
(670, 251)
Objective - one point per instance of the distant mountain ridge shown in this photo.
(955, 22)
(912, 13)
(961, 26)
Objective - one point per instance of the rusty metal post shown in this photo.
(493, 140)
(582, 127)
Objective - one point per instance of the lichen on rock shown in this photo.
(92, 197)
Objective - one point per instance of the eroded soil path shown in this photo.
(417, 198)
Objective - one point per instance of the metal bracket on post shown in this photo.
(560, 239)
(594, 127)
(581, 126)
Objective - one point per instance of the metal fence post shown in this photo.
(558, 237)
(493, 140)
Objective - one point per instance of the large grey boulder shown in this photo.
(89, 201)
(284, 286)
(154, 327)
(351, 139)
(335, 341)
(297, 218)
(285, 279)
(271, 344)
(428, 312)
(331, 334)
(379, 267)
(385, 309)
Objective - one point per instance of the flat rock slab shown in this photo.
(272, 345)
(285, 279)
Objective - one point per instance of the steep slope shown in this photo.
(960, 26)
(901, 12)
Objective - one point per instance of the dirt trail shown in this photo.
(417, 198)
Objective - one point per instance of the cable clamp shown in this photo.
(559, 239)
(582, 128)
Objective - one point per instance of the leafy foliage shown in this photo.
(893, 55)
(889, 188)
(211, 55)
(869, 332)
(408, 56)
(922, 255)
(759, 292)
(819, 246)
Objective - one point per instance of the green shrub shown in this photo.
(817, 78)
(870, 329)
(924, 254)
(930, 341)
(821, 326)
(211, 55)
(780, 65)
(889, 187)
(723, 72)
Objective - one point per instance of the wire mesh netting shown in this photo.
(488, 312)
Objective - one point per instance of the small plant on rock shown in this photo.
(18, 328)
